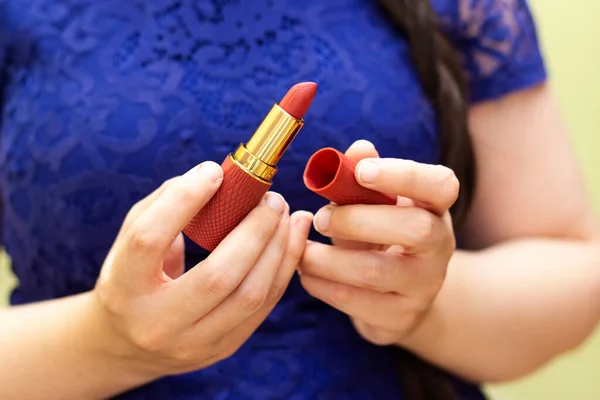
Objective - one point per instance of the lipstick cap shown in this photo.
(330, 174)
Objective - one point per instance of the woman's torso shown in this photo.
(104, 100)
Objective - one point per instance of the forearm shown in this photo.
(57, 350)
(507, 310)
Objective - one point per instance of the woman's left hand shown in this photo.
(387, 263)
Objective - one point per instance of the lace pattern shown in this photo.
(103, 100)
(498, 43)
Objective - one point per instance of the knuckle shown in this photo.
(412, 173)
(138, 207)
(276, 293)
(184, 355)
(293, 253)
(184, 193)
(263, 227)
(375, 335)
(347, 222)
(424, 226)
(251, 299)
(382, 337)
(374, 272)
(112, 298)
(149, 339)
(448, 184)
(141, 240)
(219, 281)
(134, 211)
(167, 183)
(296, 246)
(341, 294)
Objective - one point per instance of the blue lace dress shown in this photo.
(103, 100)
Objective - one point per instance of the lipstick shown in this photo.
(330, 174)
(248, 172)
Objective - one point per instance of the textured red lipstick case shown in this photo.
(330, 174)
(238, 195)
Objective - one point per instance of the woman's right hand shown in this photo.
(163, 321)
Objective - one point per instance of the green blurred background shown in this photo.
(570, 33)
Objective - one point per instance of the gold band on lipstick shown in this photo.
(260, 155)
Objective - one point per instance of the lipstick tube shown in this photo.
(248, 172)
(330, 174)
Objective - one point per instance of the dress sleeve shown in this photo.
(499, 45)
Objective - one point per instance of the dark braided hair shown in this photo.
(441, 76)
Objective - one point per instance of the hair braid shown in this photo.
(441, 76)
(443, 81)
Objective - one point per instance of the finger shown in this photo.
(253, 291)
(136, 211)
(375, 308)
(300, 223)
(362, 149)
(356, 152)
(375, 270)
(208, 284)
(142, 205)
(376, 335)
(411, 227)
(174, 260)
(151, 234)
(434, 185)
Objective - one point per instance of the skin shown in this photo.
(145, 318)
(526, 284)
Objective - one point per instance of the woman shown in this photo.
(103, 101)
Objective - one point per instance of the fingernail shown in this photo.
(367, 171)
(363, 142)
(322, 219)
(304, 223)
(275, 202)
(211, 171)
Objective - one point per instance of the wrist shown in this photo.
(103, 342)
(433, 332)
(427, 334)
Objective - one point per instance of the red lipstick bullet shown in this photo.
(249, 171)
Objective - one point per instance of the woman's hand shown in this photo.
(389, 262)
(163, 321)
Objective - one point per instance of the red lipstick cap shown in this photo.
(330, 174)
